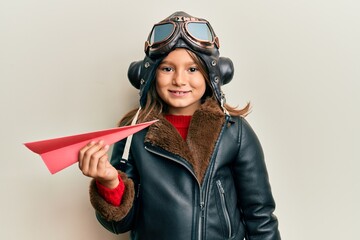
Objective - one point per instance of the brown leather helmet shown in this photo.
(181, 30)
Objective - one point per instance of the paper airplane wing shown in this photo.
(59, 153)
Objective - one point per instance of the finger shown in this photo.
(82, 152)
(85, 148)
(101, 167)
(95, 159)
(89, 156)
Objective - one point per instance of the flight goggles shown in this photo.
(197, 32)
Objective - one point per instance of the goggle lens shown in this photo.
(200, 31)
(161, 32)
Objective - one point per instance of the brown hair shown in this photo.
(233, 111)
(154, 104)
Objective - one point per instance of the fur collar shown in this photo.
(204, 130)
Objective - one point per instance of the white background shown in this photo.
(63, 70)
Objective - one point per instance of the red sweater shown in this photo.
(181, 123)
(114, 196)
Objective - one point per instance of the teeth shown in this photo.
(180, 93)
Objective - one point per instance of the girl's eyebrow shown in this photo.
(171, 62)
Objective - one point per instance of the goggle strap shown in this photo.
(126, 152)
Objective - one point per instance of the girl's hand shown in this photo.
(94, 162)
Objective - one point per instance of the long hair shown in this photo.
(154, 104)
(233, 111)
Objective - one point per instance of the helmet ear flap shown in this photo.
(226, 67)
(134, 73)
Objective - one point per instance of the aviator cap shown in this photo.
(180, 30)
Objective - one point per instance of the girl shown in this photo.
(197, 173)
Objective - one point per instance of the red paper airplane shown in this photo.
(59, 153)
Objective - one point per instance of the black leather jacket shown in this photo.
(215, 186)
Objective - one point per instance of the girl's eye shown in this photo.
(193, 69)
(166, 69)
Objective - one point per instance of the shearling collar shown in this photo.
(204, 130)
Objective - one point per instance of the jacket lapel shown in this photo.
(204, 130)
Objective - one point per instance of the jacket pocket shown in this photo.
(224, 207)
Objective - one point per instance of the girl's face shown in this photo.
(179, 83)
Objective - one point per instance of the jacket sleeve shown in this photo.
(253, 188)
(116, 219)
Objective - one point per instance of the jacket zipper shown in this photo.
(224, 208)
(201, 196)
(202, 202)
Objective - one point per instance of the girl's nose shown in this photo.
(179, 79)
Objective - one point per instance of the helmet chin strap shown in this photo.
(126, 152)
(222, 103)
(223, 107)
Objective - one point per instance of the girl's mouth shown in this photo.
(179, 93)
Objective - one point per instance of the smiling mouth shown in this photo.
(179, 93)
